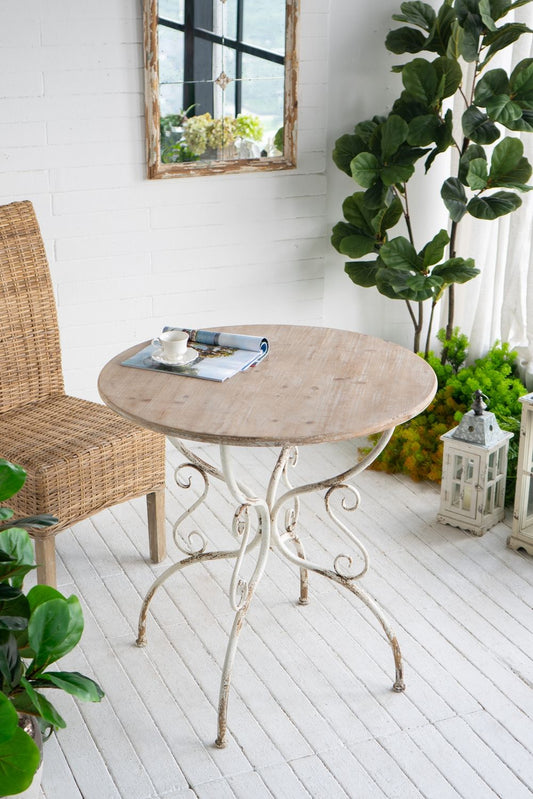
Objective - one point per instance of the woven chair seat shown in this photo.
(80, 458)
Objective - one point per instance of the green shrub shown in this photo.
(416, 449)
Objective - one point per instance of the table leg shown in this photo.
(343, 562)
(269, 533)
(241, 591)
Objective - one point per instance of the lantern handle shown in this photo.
(478, 406)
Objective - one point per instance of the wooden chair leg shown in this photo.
(45, 557)
(155, 504)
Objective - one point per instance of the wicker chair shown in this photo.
(79, 456)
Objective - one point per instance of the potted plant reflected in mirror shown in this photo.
(37, 628)
(202, 137)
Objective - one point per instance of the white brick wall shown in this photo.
(127, 254)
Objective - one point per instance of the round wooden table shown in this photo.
(315, 385)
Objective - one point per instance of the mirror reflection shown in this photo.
(220, 85)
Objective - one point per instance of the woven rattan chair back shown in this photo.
(29, 336)
(80, 457)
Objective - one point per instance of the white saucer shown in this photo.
(189, 356)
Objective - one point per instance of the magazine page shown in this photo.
(237, 340)
(209, 355)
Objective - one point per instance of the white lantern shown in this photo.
(474, 471)
(522, 532)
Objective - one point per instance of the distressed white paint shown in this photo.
(312, 713)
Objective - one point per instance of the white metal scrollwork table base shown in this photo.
(320, 411)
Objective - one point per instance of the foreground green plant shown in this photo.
(36, 630)
(381, 154)
(416, 449)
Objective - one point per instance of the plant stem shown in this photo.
(430, 325)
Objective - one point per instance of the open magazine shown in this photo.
(210, 356)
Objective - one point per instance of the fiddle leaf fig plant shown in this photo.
(382, 153)
(36, 630)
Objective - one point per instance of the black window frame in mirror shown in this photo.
(287, 160)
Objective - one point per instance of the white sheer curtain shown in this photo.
(498, 304)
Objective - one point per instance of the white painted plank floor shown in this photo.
(311, 710)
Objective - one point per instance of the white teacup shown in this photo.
(173, 344)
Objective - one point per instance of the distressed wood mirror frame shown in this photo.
(282, 160)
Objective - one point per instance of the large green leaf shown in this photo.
(524, 123)
(47, 629)
(348, 240)
(502, 109)
(408, 108)
(405, 40)
(362, 273)
(503, 37)
(443, 139)
(76, 684)
(10, 662)
(367, 129)
(456, 270)
(45, 709)
(399, 253)
(32, 522)
(478, 174)
(12, 478)
(43, 616)
(395, 174)
(377, 195)
(449, 74)
(8, 719)
(494, 205)
(434, 249)
(486, 12)
(492, 83)
(416, 13)
(42, 593)
(471, 152)
(393, 135)
(384, 286)
(466, 9)
(388, 217)
(17, 543)
(19, 760)
(443, 30)
(421, 80)
(423, 130)
(357, 245)
(478, 126)
(365, 169)
(357, 214)
(454, 197)
(404, 285)
(508, 166)
(346, 148)
(521, 82)
(10, 567)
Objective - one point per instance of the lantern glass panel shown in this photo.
(467, 497)
(500, 493)
(489, 504)
(529, 507)
(491, 466)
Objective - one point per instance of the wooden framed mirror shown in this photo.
(220, 85)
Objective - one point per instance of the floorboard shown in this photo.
(311, 710)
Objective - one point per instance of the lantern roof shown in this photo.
(479, 426)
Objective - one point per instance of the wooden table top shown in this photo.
(316, 384)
